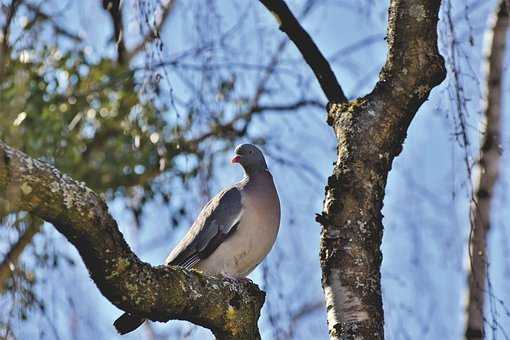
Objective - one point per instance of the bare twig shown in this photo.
(39, 14)
(12, 256)
(305, 310)
(308, 48)
(154, 33)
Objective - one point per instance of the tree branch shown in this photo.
(287, 107)
(12, 256)
(158, 293)
(113, 7)
(311, 53)
(10, 13)
(155, 32)
(413, 65)
(39, 14)
(489, 163)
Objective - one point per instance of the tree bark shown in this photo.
(370, 133)
(489, 166)
(157, 293)
(114, 8)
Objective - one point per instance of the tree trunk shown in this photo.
(370, 133)
(489, 164)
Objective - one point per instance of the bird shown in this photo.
(233, 232)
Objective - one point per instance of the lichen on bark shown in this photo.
(370, 133)
(158, 293)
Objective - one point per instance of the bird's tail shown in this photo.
(127, 323)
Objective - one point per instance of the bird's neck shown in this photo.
(254, 172)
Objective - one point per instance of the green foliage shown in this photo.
(90, 121)
(87, 119)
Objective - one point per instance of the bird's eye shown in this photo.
(251, 151)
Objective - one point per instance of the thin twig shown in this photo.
(309, 50)
(154, 33)
(12, 256)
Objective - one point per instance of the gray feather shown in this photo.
(217, 220)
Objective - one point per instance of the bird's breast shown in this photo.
(256, 233)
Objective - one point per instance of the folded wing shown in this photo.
(215, 223)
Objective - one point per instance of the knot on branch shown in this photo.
(334, 110)
(322, 219)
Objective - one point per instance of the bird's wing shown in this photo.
(217, 220)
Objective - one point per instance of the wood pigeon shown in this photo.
(234, 231)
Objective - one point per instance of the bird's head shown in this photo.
(250, 157)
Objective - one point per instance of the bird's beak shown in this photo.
(235, 159)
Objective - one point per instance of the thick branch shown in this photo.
(413, 65)
(157, 293)
(311, 53)
(489, 166)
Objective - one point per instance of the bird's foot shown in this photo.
(233, 279)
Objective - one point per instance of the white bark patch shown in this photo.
(343, 305)
(333, 232)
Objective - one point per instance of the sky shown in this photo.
(425, 208)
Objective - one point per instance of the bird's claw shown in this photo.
(233, 279)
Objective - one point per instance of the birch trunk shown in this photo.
(489, 164)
